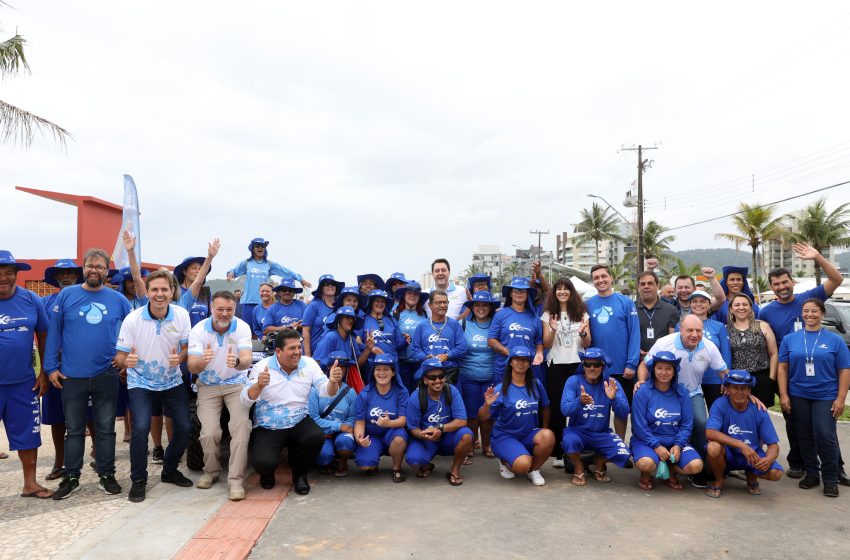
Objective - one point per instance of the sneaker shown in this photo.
(794, 472)
(504, 471)
(176, 477)
(830, 489)
(109, 485)
(698, 481)
(843, 480)
(137, 491)
(237, 493)
(206, 481)
(558, 463)
(67, 487)
(536, 478)
(809, 481)
(158, 456)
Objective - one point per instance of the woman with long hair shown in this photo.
(753, 346)
(409, 312)
(317, 310)
(515, 325)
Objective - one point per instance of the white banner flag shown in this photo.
(129, 222)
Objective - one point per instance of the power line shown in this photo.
(760, 206)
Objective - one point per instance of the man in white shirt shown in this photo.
(441, 271)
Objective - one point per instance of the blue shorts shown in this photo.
(509, 449)
(343, 441)
(737, 462)
(608, 444)
(371, 456)
(641, 450)
(19, 411)
(52, 412)
(472, 393)
(420, 452)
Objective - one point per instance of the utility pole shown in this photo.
(539, 234)
(642, 165)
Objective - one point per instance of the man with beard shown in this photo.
(84, 326)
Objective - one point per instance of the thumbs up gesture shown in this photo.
(264, 378)
(132, 359)
(208, 354)
(230, 359)
(174, 358)
(336, 372)
(584, 397)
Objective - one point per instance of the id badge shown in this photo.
(797, 325)
(810, 369)
(650, 332)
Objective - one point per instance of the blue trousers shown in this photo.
(818, 437)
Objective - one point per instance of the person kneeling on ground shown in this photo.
(335, 416)
(436, 418)
(280, 387)
(662, 421)
(735, 431)
(519, 407)
(381, 409)
(587, 402)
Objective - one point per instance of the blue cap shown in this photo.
(475, 278)
(350, 290)
(378, 294)
(379, 282)
(518, 283)
(384, 359)
(180, 269)
(327, 279)
(6, 258)
(482, 297)
(411, 286)
(519, 352)
(290, 284)
(739, 377)
(346, 311)
(62, 264)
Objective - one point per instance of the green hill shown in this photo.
(715, 258)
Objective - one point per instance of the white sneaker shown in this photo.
(206, 481)
(536, 478)
(504, 471)
(237, 493)
(558, 463)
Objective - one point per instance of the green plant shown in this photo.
(822, 229)
(596, 225)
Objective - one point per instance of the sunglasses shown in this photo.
(592, 364)
(286, 291)
(435, 377)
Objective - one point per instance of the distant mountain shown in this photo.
(716, 258)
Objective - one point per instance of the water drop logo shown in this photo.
(603, 314)
(93, 313)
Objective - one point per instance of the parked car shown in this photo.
(837, 319)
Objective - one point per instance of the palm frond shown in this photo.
(12, 57)
(19, 125)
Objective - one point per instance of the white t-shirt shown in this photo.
(457, 297)
(154, 341)
(694, 363)
(567, 343)
(237, 337)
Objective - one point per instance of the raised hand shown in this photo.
(132, 359)
(306, 284)
(129, 241)
(230, 277)
(554, 323)
(230, 359)
(264, 378)
(805, 251)
(707, 271)
(610, 389)
(490, 395)
(584, 397)
(208, 355)
(174, 358)
(212, 249)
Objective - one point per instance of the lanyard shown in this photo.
(810, 358)
(648, 316)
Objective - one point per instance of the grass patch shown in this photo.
(845, 416)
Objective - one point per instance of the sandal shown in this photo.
(454, 480)
(673, 483)
(371, 472)
(601, 476)
(54, 474)
(753, 488)
(43, 494)
(489, 454)
(424, 472)
(477, 444)
(399, 476)
(713, 491)
(468, 459)
(647, 485)
(579, 479)
(4, 455)
(341, 470)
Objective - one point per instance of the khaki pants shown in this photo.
(211, 400)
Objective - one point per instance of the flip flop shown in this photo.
(4, 455)
(579, 479)
(426, 472)
(713, 491)
(454, 480)
(489, 454)
(54, 474)
(468, 459)
(39, 494)
(341, 472)
(673, 483)
(646, 485)
(601, 476)
(753, 488)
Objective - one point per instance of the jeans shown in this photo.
(103, 390)
(700, 418)
(817, 435)
(175, 405)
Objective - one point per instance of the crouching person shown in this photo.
(735, 431)
(335, 416)
(436, 419)
(280, 388)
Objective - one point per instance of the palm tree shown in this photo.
(682, 269)
(655, 242)
(620, 273)
(755, 224)
(16, 124)
(822, 229)
(596, 225)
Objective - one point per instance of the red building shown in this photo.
(98, 224)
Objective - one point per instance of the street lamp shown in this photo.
(625, 219)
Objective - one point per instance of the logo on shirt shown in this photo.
(603, 314)
(436, 338)
(8, 320)
(735, 430)
(377, 412)
(824, 347)
(479, 338)
(664, 414)
(523, 404)
(93, 313)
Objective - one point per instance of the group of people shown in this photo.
(383, 368)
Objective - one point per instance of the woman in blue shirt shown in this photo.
(409, 312)
(382, 328)
(814, 375)
(515, 325)
(519, 408)
(317, 310)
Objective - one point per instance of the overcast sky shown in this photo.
(376, 136)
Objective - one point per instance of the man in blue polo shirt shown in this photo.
(21, 317)
(84, 324)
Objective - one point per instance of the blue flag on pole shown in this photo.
(129, 222)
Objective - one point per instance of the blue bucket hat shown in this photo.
(384, 360)
(739, 377)
(337, 356)
(327, 279)
(379, 282)
(475, 278)
(62, 264)
(742, 270)
(395, 278)
(290, 284)
(482, 297)
(376, 294)
(411, 287)
(346, 311)
(594, 353)
(180, 269)
(125, 274)
(519, 283)
(519, 352)
(663, 356)
(349, 290)
(6, 258)
(259, 241)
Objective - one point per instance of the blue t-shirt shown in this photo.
(437, 413)
(516, 412)
(829, 353)
(257, 272)
(477, 365)
(782, 316)
(662, 417)
(615, 328)
(280, 315)
(389, 339)
(407, 323)
(198, 310)
(752, 426)
(21, 316)
(258, 317)
(439, 338)
(593, 417)
(371, 405)
(84, 325)
(342, 413)
(314, 317)
(514, 329)
(332, 342)
(716, 332)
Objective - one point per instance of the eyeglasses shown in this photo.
(435, 377)
(441, 303)
(592, 364)
(93, 267)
